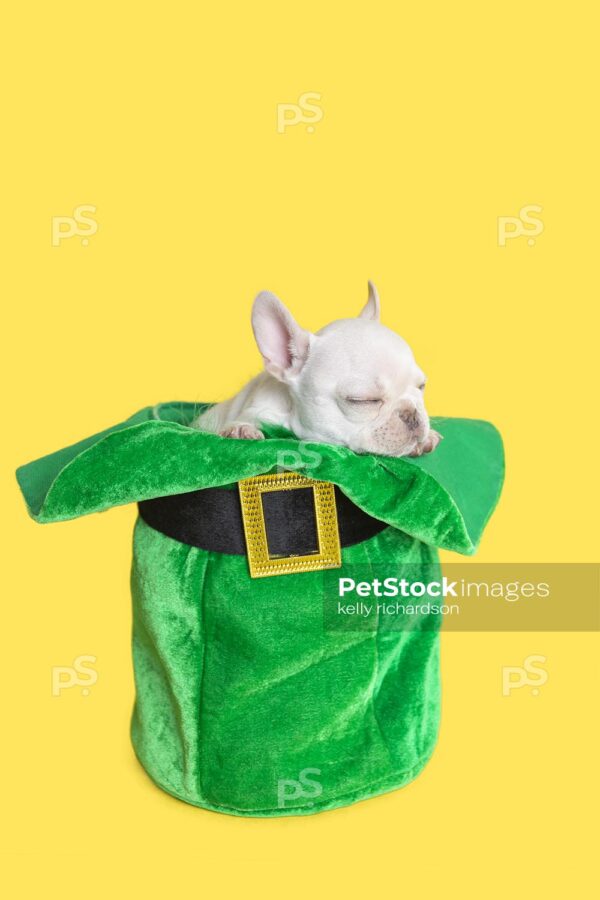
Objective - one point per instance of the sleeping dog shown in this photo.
(354, 382)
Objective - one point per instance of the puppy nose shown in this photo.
(410, 417)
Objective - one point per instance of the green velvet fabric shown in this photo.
(245, 702)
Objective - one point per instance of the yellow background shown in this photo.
(437, 119)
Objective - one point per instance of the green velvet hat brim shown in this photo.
(444, 498)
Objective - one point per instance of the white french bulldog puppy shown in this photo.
(354, 382)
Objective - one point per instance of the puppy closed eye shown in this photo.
(365, 401)
(361, 409)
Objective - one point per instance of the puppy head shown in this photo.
(354, 382)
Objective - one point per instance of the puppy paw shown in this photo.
(429, 444)
(242, 430)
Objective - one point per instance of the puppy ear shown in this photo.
(371, 308)
(283, 344)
